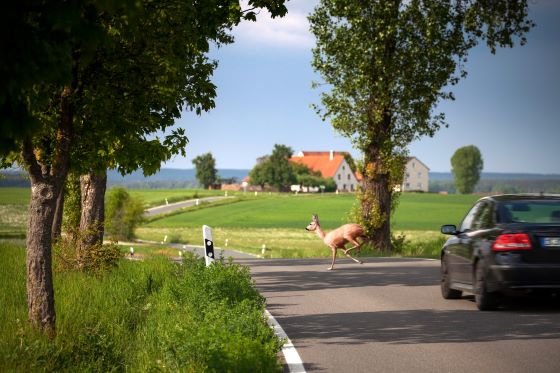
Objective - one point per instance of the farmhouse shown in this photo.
(416, 176)
(331, 165)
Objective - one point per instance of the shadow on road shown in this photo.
(427, 326)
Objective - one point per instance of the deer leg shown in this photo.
(333, 259)
(357, 245)
(354, 259)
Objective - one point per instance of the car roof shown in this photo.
(521, 197)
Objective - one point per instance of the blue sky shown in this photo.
(508, 106)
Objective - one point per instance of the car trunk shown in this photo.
(545, 242)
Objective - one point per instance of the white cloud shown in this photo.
(290, 31)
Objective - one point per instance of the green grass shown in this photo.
(156, 197)
(142, 316)
(15, 196)
(415, 212)
(278, 221)
(13, 212)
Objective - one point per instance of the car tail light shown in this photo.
(517, 241)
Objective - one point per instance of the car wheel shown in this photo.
(485, 301)
(446, 290)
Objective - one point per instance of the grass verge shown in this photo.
(142, 316)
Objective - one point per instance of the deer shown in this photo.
(338, 238)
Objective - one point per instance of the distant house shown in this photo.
(330, 164)
(416, 176)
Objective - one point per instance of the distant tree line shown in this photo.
(276, 172)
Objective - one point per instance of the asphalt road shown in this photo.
(387, 315)
(179, 205)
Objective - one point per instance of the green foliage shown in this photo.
(72, 203)
(275, 170)
(466, 166)
(46, 33)
(217, 314)
(123, 214)
(97, 258)
(142, 316)
(317, 181)
(206, 172)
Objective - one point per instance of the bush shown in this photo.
(217, 314)
(142, 316)
(97, 258)
(123, 213)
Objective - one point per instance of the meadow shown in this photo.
(277, 221)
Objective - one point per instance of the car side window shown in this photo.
(484, 217)
(467, 224)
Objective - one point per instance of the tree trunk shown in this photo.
(57, 221)
(377, 208)
(92, 219)
(46, 185)
(40, 292)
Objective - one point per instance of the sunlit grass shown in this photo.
(152, 315)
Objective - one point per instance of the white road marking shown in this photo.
(295, 365)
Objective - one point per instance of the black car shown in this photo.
(505, 243)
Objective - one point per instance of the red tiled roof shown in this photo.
(320, 161)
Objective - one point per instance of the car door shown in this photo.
(474, 232)
(456, 250)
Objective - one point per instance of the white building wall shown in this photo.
(345, 178)
(416, 176)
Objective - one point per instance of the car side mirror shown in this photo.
(449, 229)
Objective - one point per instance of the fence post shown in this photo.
(208, 245)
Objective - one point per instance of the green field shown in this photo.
(13, 212)
(276, 220)
(415, 212)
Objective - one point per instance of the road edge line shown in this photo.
(293, 360)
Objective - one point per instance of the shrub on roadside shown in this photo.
(98, 258)
(141, 316)
(123, 213)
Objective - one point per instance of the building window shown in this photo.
(407, 185)
(338, 176)
(419, 185)
(343, 186)
(343, 168)
(348, 176)
(419, 174)
(413, 165)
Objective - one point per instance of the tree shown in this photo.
(54, 49)
(206, 172)
(385, 65)
(466, 165)
(275, 170)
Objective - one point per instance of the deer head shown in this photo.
(314, 223)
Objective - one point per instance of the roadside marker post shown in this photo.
(208, 245)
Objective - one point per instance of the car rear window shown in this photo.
(529, 211)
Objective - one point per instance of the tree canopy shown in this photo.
(95, 82)
(466, 165)
(275, 170)
(384, 67)
(206, 172)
